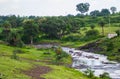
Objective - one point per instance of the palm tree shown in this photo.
(102, 24)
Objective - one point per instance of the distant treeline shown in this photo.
(28, 29)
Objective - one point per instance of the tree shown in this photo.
(6, 30)
(54, 27)
(95, 13)
(14, 39)
(92, 33)
(83, 7)
(6, 25)
(113, 9)
(13, 20)
(105, 12)
(102, 24)
(82, 24)
(31, 31)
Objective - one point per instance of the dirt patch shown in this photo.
(36, 72)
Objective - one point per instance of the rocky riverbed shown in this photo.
(98, 63)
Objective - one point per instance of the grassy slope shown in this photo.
(112, 54)
(11, 69)
(64, 73)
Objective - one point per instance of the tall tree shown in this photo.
(113, 9)
(95, 13)
(31, 30)
(6, 30)
(105, 12)
(83, 7)
(14, 39)
(54, 27)
(102, 24)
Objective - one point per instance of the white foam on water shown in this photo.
(96, 62)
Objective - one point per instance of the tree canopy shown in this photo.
(83, 7)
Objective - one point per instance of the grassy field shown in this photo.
(61, 72)
(107, 29)
(30, 57)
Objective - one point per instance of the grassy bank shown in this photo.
(30, 57)
(111, 48)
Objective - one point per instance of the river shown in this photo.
(98, 63)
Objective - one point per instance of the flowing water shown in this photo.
(96, 62)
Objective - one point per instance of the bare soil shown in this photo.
(36, 72)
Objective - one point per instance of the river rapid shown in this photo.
(98, 63)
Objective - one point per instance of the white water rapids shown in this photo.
(96, 62)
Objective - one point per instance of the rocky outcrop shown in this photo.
(91, 47)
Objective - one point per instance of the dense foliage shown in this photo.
(18, 30)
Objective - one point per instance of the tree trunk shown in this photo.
(102, 30)
(31, 40)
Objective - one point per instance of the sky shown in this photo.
(51, 7)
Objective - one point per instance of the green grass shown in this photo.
(61, 72)
(107, 29)
(12, 69)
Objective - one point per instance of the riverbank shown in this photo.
(108, 47)
(29, 59)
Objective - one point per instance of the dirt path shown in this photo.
(36, 72)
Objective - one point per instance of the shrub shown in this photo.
(110, 46)
(72, 38)
(46, 53)
(18, 51)
(92, 26)
(92, 33)
(60, 54)
(89, 73)
(118, 32)
(105, 76)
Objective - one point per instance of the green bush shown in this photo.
(92, 33)
(19, 51)
(71, 38)
(89, 73)
(118, 32)
(60, 54)
(110, 46)
(92, 26)
(105, 76)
